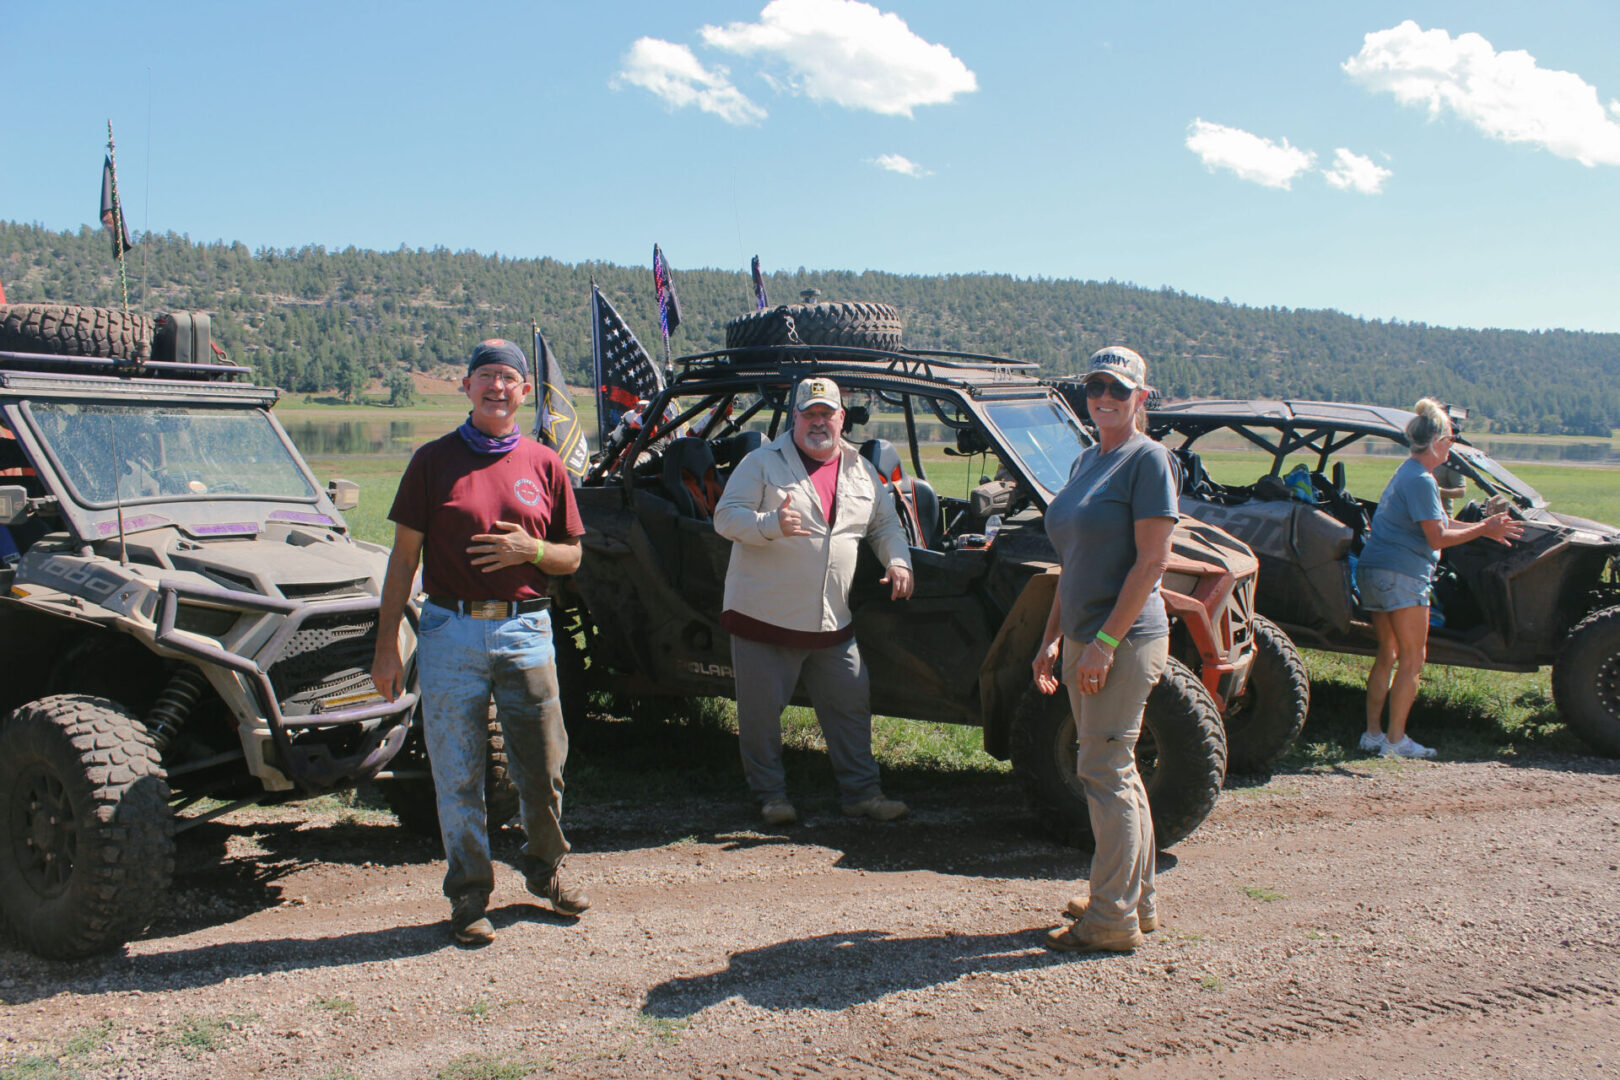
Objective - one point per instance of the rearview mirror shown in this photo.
(345, 494)
(13, 504)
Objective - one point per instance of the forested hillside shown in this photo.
(313, 320)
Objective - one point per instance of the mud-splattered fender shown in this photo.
(1006, 672)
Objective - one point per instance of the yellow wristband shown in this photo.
(540, 551)
(1107, 639)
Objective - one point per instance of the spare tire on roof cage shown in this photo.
(853, 325)
(70, 330)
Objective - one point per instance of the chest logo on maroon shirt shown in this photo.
(527, 491)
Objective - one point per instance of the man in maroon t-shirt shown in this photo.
(491, 517)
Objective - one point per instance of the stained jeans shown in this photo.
(839, 688)
(1107, 725)
(461, 661)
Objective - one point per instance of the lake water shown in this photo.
(340, 438)
(337, 438)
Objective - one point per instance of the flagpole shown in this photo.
(118, 219)
(596, 367)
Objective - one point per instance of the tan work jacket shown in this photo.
(802, 582)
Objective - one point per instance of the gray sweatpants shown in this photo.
(837, 682)
(1108, 723)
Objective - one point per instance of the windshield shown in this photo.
(136, 453)
(1045, 438)
(1497, 475)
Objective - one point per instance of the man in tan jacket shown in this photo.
(796, 512)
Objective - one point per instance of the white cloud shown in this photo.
(1505, 95)
(903, 166)
(1352, 172)
(1249, 156)
(672, 73)
(849, 53)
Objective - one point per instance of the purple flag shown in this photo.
(669, 305)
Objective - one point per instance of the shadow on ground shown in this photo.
(31, 979)
(835, 971)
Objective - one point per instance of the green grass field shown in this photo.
(1468, 714)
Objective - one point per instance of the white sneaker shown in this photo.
(1373, 744)
(1407, 748)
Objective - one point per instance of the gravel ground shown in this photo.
(1381, 919)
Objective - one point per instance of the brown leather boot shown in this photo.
(547, 882)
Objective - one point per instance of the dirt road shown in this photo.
(1384, 919)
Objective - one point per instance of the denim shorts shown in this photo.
(1388, 590)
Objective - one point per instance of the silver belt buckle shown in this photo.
(488, 609)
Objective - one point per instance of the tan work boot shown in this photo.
(1084, 938)
(778, 812)
(547, 882)
(878, 808)
(1146, 921)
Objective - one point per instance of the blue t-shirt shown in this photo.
(1396, 541)
(1092, 523)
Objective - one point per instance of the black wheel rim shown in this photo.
(1608, 686)
(44, 831)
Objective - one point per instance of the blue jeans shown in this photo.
(1390, 590)
(461, 661)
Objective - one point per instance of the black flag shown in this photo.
(761, 302)
(112, 215)
(556, 423)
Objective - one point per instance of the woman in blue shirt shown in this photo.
(1111, 525)
(1408, 532)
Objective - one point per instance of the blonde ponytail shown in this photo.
(1429, 424)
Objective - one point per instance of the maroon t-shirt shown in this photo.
(450, 494)
(824, 476)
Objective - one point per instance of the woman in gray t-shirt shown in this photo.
(1111, 525)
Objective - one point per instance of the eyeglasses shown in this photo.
(1096, 388)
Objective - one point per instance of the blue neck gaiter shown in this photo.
(479, 443)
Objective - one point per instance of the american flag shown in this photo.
(625, 373)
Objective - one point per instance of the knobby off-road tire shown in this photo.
(75, 331)
(866, 326)
(1265, 721)
(1586, 680)
(573, 680)
(1181, 755)
(86, 833)
(415, 803)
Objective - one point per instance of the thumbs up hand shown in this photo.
(789, 519)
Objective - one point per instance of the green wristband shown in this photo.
(1107, 639)
(540, 551)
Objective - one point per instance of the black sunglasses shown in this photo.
(1096, 388)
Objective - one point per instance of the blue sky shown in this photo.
(1449, 163)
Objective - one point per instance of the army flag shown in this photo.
(112, 215)
(556, 423)
(625, 374)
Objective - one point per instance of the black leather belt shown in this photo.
(491, 609)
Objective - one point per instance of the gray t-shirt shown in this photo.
(1092, 523)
